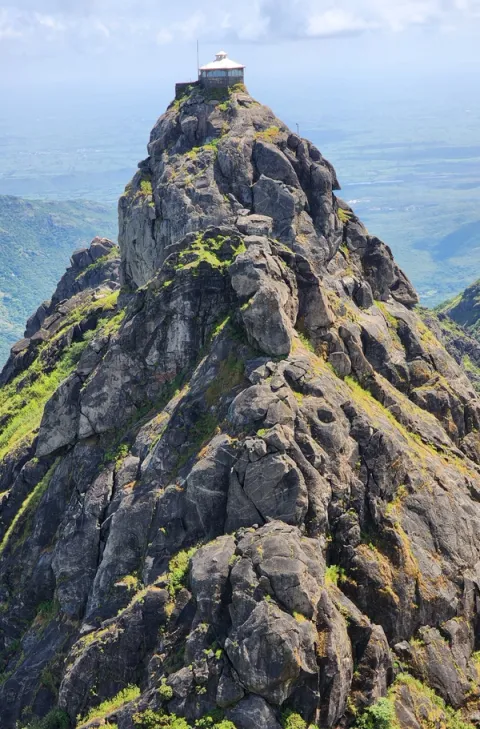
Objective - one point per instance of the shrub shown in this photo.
(178, 570)
(379, 716)
(166, 692)
(55, 719)
(146, 187)
(334, 574)
(158, 720)
(292, 720)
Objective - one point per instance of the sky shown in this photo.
(118, 40)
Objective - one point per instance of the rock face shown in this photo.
(252, 488)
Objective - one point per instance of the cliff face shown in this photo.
(255, 498)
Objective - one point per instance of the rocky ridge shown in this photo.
(254, 500)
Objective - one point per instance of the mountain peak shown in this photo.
(215, 155)
(254, 491)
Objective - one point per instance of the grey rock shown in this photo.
(209, 573)
(253, 712)
(270, 651)
(277, 489)
(340, 363)
(229, 691)
(258, 225)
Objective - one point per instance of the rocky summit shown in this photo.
(240, 476)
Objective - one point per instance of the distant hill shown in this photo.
(36, 241)
(457, 323)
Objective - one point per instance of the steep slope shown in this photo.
(36, 239)
(460, 341)
(254, 502)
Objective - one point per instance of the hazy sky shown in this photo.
(86, 39)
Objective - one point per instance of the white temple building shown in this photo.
(221, 72)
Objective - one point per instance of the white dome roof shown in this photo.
(221, 62)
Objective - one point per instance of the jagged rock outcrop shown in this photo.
(256, 493)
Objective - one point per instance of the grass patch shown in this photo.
(389, 318)
(344, 215)
(24, 406)
(268, 135)
(230, 374)
(106, 707)
(22, 400)
(306, 342)
(29, 505)
(208, 249)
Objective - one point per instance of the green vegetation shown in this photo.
(22, 401)
(202, 431)
(161, 720)
(344, 215)
(380, 715)
(176, 104)
(210, 146)
(390, 319)
(106, 707)
(306, 342)
(178, 570)
(166, 692)
(146, 187)
(293, 720)
(113, 324)
(131, 582)
(46, 612)
(29, 506)
(23, 406)
(230, 374)
(158, 720)
(429, 708)
(268, 135)
(334, 574)
(207, 249)
(113, 253)
(101, 307)
(55, 719)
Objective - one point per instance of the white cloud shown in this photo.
(336, 22)
(8, 26)
(50, 22)
(114, 22)
(184, 30)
